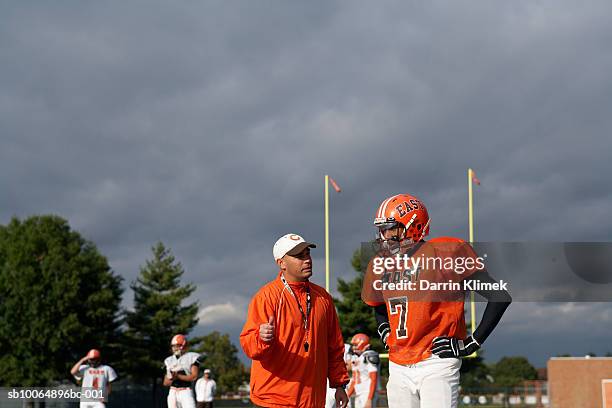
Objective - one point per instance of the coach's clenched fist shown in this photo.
(266, 330)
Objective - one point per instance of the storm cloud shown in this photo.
(210, 126)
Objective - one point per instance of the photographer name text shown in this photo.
(425, 285)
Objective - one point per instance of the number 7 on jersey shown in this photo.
(399, 305)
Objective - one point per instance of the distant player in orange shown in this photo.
(424, 328)
(364, 365)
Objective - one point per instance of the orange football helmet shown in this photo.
(360, 343)
(93, 357)
(405, 211)
(178, 344)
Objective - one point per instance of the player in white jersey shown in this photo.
(365, 371)
(95, 379)
(182, 369)
(330, 399)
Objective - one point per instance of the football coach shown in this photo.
(293, 336)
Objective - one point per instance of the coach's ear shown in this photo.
(281, 264)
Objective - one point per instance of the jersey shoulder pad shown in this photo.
(371, 357)
(110, 373)
(192, 357)
(446, 239)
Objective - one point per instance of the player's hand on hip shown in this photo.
(266, 330)
(368, 404)
(342, 399)
(451, 347)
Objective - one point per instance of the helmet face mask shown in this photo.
(94, 362)
(178, 345)
(390, 235)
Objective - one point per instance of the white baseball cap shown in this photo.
(290, 244)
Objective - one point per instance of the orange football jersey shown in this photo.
(424, 297)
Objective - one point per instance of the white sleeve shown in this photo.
(372, 368)
(111, 374)
(193, 359)
(81, 372)
(168, 363)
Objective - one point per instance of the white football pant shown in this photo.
(92, 404)
(361, 400)
(431, 383)
(330, 398)
(181, 398)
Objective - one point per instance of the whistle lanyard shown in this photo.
(306, 315)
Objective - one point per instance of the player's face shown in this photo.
(297, 268)
(94, 362)
(393, 233)
(355, 349)
(176, 350)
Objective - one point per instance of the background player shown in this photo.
(364, 365)
(426, 339)
(330, 399)
(205, 390)
(93, 376)
(182, 369)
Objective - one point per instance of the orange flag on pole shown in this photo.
(474, 178)
(335, 185)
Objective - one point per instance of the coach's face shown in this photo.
(296, 268)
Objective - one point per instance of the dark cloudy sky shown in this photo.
(210, 126)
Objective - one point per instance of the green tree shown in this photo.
(511, 371)
(223, 361)
(158, 314)
(475, 373)
(58, 298)
(355, 316)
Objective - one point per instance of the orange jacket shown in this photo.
(283, 373)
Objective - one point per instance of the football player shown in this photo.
(95, 379)
(365, 371)
(330, 399)
(425, 331)
(182, 369)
